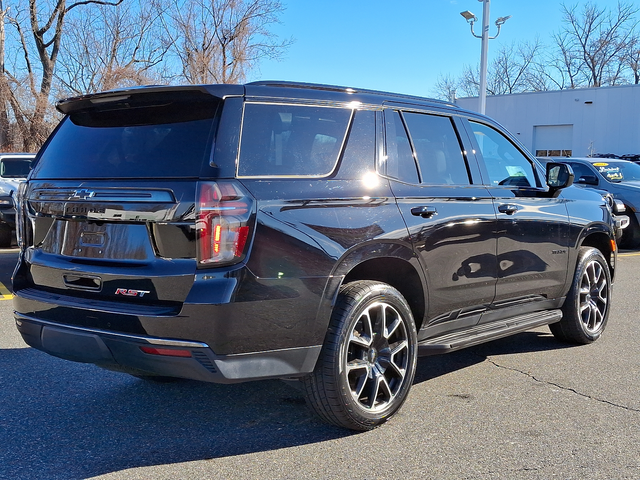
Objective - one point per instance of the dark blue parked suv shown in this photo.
(274, 230)
(620, 179)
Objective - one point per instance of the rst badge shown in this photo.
(131, 293)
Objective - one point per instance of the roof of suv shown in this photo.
(267, 88)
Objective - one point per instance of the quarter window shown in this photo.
(291, 140)
(506, 165)
(360, 150)
(399, 159)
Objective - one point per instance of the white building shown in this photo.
(570, 122)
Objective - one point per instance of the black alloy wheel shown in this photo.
(368, 361)
(586, 309)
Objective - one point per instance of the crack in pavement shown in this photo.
(569, 389)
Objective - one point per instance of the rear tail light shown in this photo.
(21, 216)
(222, 222)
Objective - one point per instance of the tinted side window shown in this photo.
(291, 140)
(400, 163)
(581, 171)
(359, 154)
(505, 163)
(437, 149)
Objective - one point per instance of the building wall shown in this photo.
(580, 121)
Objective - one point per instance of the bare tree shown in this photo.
(592, 42)
(67, 47)
(632, 59)
(469, 82)
(219, 41)
(109, 47)
(513, 70)
(539, 77)
(564, 68)
(4, 87)
(446, 88)
(46, 24)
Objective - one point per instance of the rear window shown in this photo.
(172, 139)
(291, 140)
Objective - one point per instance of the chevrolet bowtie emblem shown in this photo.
(82, 194)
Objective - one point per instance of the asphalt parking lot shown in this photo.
(525, 407)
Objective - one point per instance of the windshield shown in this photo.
(15, 167)
(131, 141)
(617, 172)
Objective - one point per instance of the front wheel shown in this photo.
(368, 360)
(586, 309)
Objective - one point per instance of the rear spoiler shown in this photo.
(147, 95)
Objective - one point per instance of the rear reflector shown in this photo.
(167, 352)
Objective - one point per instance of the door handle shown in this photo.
(424, 211)
(508, 208)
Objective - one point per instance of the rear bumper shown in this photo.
(178, 358)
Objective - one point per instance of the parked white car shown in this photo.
(14, 169)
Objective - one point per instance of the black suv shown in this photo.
(274, 230)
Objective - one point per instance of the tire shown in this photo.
(586, 309)
(368, 361)
(6, 235)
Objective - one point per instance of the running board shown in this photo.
(486, 332)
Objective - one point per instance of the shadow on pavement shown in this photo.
(438, 365)
(60, 419)
(66, 420)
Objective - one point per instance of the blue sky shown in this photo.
(397, 45)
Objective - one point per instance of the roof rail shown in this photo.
(336, 88)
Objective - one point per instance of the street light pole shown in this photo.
(471, 18)
(483, 56)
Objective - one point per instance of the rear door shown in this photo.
(533, 227)
(450, 217)
(111, 202)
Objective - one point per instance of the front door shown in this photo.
(533, 227)
(451, 220)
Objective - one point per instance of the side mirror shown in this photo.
(559, 176)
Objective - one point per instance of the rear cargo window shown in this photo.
(291, 140)
(169, 140)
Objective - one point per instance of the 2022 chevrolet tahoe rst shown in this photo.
(228, 233)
